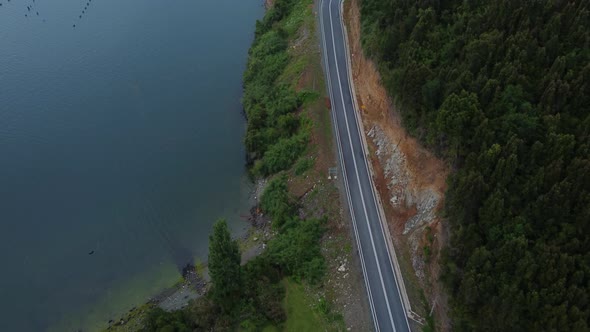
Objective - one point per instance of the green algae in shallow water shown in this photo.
(115, 303)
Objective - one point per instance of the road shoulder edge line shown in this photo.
(382, 219)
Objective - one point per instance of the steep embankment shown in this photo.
(409, 178)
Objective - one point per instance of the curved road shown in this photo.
(382, 287)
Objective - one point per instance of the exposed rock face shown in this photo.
(402, 193)
(394, 167)
(426, 204)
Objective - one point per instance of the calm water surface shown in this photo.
(121, 135)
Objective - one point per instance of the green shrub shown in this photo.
(279, 10)
(303, 165)
(297, 249)
(305, 97)
(263, 294)
(277, 202)
(274, 134)
(159, 320)
(283, 154)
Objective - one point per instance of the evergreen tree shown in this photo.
(224, 267)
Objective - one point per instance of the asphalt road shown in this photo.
(381, 284)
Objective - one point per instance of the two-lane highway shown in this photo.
(384, 294)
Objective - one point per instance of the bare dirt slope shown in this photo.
(411, 181)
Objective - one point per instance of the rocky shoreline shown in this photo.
(195, 279)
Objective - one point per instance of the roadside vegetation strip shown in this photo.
(276, 135)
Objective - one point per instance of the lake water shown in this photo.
(121, 136)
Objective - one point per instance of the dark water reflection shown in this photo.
(122, 136)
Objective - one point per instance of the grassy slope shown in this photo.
(302, 315)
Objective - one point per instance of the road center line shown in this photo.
(356, 169)
(394, 266)
(357, 237)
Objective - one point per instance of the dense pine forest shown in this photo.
(501, 89)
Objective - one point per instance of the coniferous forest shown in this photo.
(501, 90)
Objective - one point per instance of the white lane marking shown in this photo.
(357, 172)
(358, 121)
(357, 237)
